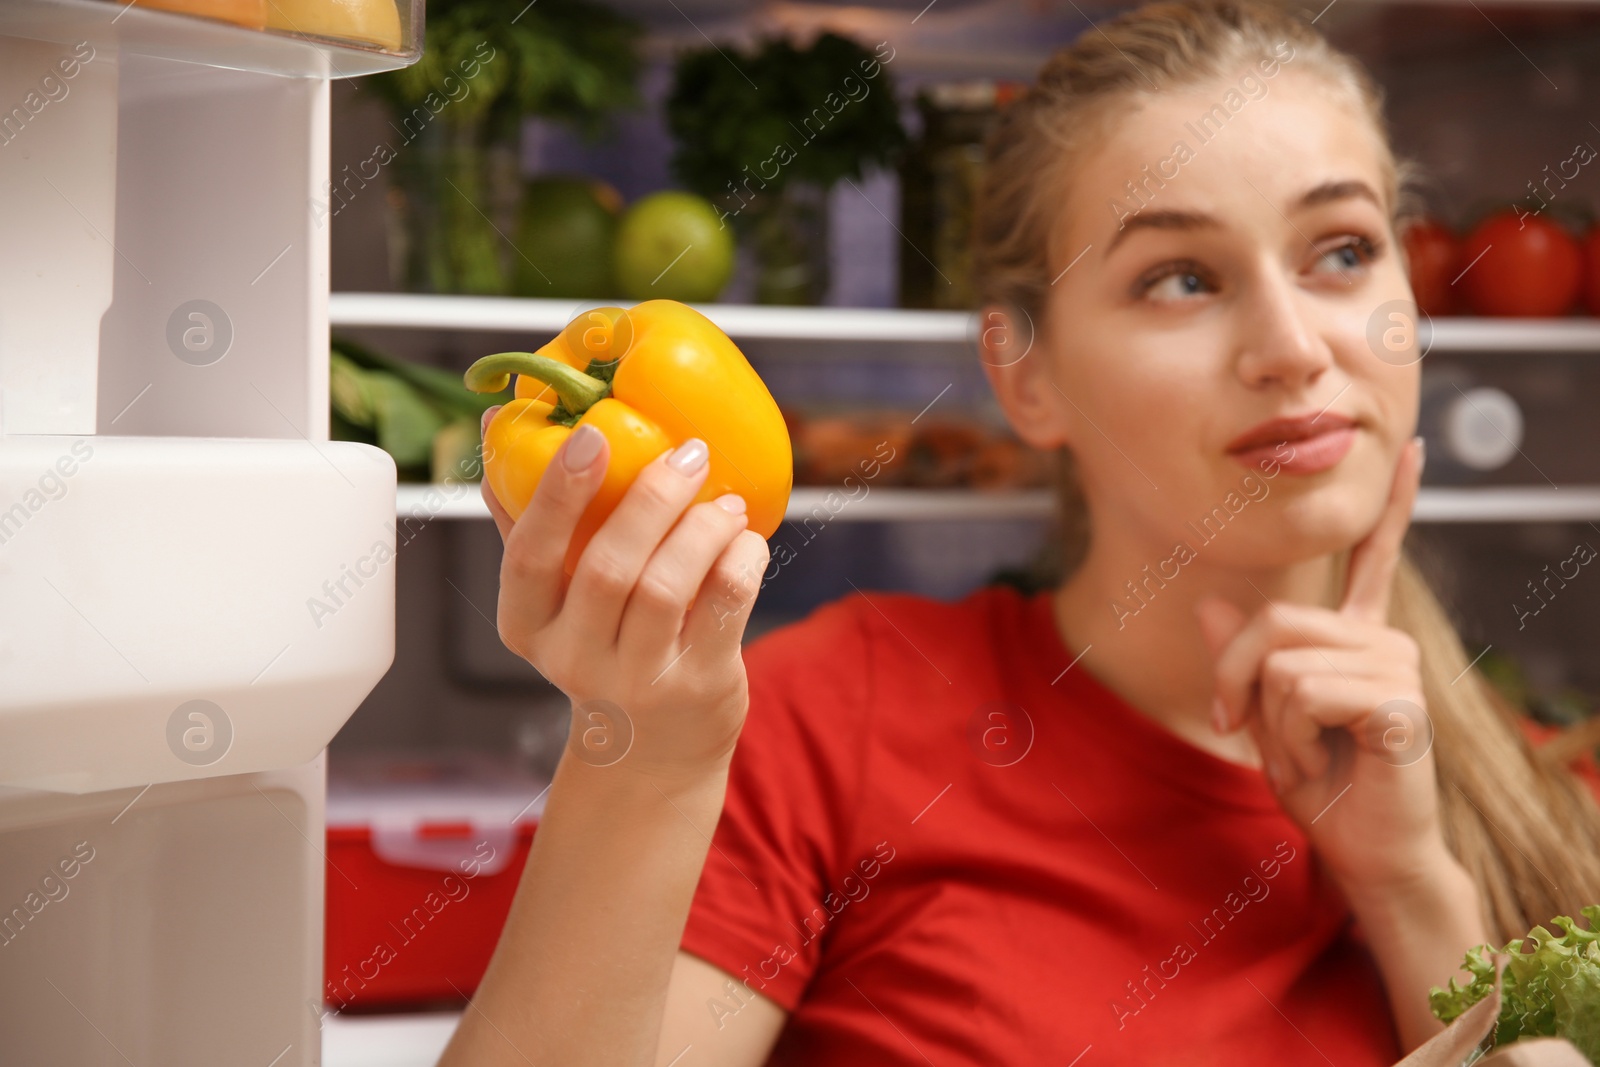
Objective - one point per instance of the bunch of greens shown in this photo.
(1550, 988)
(571, 60)
(723, 123)
(424, 417)
(486, 66)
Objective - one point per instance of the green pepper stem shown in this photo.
(578, 391)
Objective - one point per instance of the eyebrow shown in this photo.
(1325, 193)
(1162, 220)
(1328, 192)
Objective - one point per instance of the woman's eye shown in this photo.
(1175, 284)
(1352, 255)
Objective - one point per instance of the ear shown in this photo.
(1014, 360)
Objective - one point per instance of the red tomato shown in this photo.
(1434, 254)
(1530, 267)
(1591, 254)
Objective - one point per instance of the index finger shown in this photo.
(1375, 556)
(531, 571)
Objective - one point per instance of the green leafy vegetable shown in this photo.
(442, 387)
(457, 116)
(347, 387)
(781, 114)
(571, 60)
(402, 421)
(424, 417)
(456, 452)
(1550, 988)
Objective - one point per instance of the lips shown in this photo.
(1301, 444)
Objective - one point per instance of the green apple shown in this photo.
(565, 238)
(671, 245)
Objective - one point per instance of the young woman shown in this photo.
(1227, 793)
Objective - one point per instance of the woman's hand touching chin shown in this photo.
(1334, 700)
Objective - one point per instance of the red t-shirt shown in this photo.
(942, 845)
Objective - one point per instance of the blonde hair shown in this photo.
(1526, 830)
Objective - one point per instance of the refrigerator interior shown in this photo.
(183, 874)
(1481, 116)
(1485, 99)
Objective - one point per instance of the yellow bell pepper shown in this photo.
(648, 378)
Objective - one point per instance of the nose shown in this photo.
(1279, 345)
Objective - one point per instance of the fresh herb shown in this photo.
(572, 60)
(424, 417)
(395, 415)
(1550, 988)
(441, 387)
(817, 114)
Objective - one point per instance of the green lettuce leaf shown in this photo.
(1550, 988)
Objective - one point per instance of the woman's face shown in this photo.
(1209, 340)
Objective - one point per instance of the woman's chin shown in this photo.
(1290, 524)
(1292, 528)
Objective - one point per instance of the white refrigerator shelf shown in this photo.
(1576, 503)
(126, 27)
(427, 311)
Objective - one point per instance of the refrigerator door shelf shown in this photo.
(138, 29)
(182, 608)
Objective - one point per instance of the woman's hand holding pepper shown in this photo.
(654, 681)
(644, 638)
(1334, 700)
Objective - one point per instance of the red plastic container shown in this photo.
(424, 856)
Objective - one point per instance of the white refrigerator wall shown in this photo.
(219, 327)
(196, 586)
(179, 926)
(55, 274)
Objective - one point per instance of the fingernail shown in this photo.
(732, 503)
(1219, 715)
(689, 457)
(1422, 454)
(582, 446)
(488, 416)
